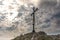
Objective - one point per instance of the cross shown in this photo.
(33, 14)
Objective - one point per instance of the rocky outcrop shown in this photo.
(37, 36)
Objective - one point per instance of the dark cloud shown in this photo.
(47, 20)
(1, 29)
(19, 14)
(2, 18)
(28, 19)
(21, 9)
(50, 17)
(57, 15)
(46, 25)
(48, 3)
(1, 2)
(57, 23)
(13, 27)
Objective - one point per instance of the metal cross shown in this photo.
(33, 14)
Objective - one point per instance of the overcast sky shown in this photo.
(16, 19)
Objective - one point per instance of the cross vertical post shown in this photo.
(33, 14)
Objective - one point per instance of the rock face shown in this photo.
(37, 36)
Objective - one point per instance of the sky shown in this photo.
(16, 19)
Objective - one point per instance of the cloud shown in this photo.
(47, 18)
(2, 18)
